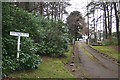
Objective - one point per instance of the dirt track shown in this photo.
(86, 63)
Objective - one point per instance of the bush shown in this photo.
(115, 42)
(9, 65)
(106, 42)
(28, 59)
(55, 40)
(20, 21)
(47, 38)
(111, 42)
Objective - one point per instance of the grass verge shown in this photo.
(107, 50)
(100, 42)
(49, 68)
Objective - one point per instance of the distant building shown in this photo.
(84, 37)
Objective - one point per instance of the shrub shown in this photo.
(106, 42)
(47, 38)
(55, 40)
(28, 59)
(114, 40)
(20, 21)
(111, 42)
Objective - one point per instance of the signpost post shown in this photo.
(19, 35)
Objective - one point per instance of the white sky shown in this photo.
(80, 5)
(77, 5)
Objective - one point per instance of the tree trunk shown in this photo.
(59, 10)
(100, 25)
(62, 12)
(88, 25)
(109, 28)
(94, 26)
(48, 10)
(103, 26)
(41, 8)
(55, 11)
(105, 22)
(52, 10)
(117, 24)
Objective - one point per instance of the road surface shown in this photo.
(86, 63)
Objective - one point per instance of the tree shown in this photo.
(74, 23)
(92, 6)
(107, 8)
(53, 10)
(105, 19)
(117, 22)
(46, 38)
(88, 24)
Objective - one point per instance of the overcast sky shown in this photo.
(80, 5)
(77, 5)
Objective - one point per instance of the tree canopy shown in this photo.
(75, 23)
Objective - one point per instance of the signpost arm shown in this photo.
(18, 47)
(18, 43)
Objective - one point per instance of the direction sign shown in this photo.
(19, 34)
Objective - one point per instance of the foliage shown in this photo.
(55, 40)
(79, 36)
(53, 9)
(113, 41)
(114, 34)
(47, 37)
(75, 22)
(49, 68)
(29, 61)
(65, 60)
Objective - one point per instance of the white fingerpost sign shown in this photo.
(18, 44)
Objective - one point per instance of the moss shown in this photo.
(90, 55)
(100, 41)
(65, 60)
(49, 68)
(107, 50)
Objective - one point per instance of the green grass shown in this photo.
(65, 60)
(49, 68)
(100, 41)
(85, 51)
(107, 50)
